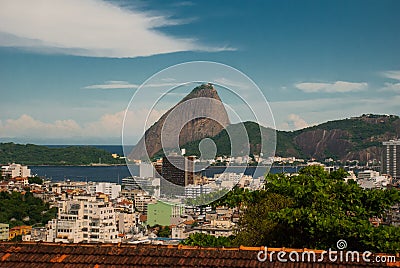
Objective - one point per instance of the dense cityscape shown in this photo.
(131, 212)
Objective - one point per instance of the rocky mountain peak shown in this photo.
(199, 115)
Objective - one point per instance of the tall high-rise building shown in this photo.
(177, 172)
(391, 158)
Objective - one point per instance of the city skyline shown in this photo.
(69, 81)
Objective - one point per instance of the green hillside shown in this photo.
(31, 154)
(356, 138)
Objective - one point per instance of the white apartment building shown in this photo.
(367, 174)
(141, 199)
(127, 222)
(377, 182)
(146, 170)
(84, 219)
(108, 188)
(15, 170)
(193, 191)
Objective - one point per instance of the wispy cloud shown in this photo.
(335, 87)
(92, 28)
(230, 83)
(392, 74)
(320, 110)
(393, 87)
(113, 85)
(388, 86)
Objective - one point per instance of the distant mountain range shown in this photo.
(359, 138)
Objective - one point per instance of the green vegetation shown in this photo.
(361, 133)
(36, 180)
(235, 132)
(362, 128)
(205, 240)
(24, 209)
(314, 209)
(162, 231)
(31, 154)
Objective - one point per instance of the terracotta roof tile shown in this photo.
(113, 255)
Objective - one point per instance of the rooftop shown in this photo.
(28, 254)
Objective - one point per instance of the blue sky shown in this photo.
(69, 68)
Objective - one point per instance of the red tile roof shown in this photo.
(28, 254)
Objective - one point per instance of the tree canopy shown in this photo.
(24, 209)
(30, 154)
(315, 209)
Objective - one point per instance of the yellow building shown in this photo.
(19, 230)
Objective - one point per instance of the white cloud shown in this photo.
(297, 121)
(394, 87)
(323, 109)
(336, 87)
(27, 126)
(392, 74)
(126, 85)
(113, 85)
(92, 28)
(107, 126)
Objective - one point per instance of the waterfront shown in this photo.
(116, 173)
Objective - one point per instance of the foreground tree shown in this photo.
(256, 227)
(315, 209)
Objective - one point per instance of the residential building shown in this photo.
(193, 191)
(85, 219)
(367, 174)
(4, 231)
(146, 170)
(15, 170)
(108, 188)
(141, 200)
(378, 182)
(164, 214)
(131, 183)
(74, 186)
(391, 158)
(126, 222)
(214, 231)
(37, 234)
(19, 230)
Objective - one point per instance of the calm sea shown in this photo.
(116, 173)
